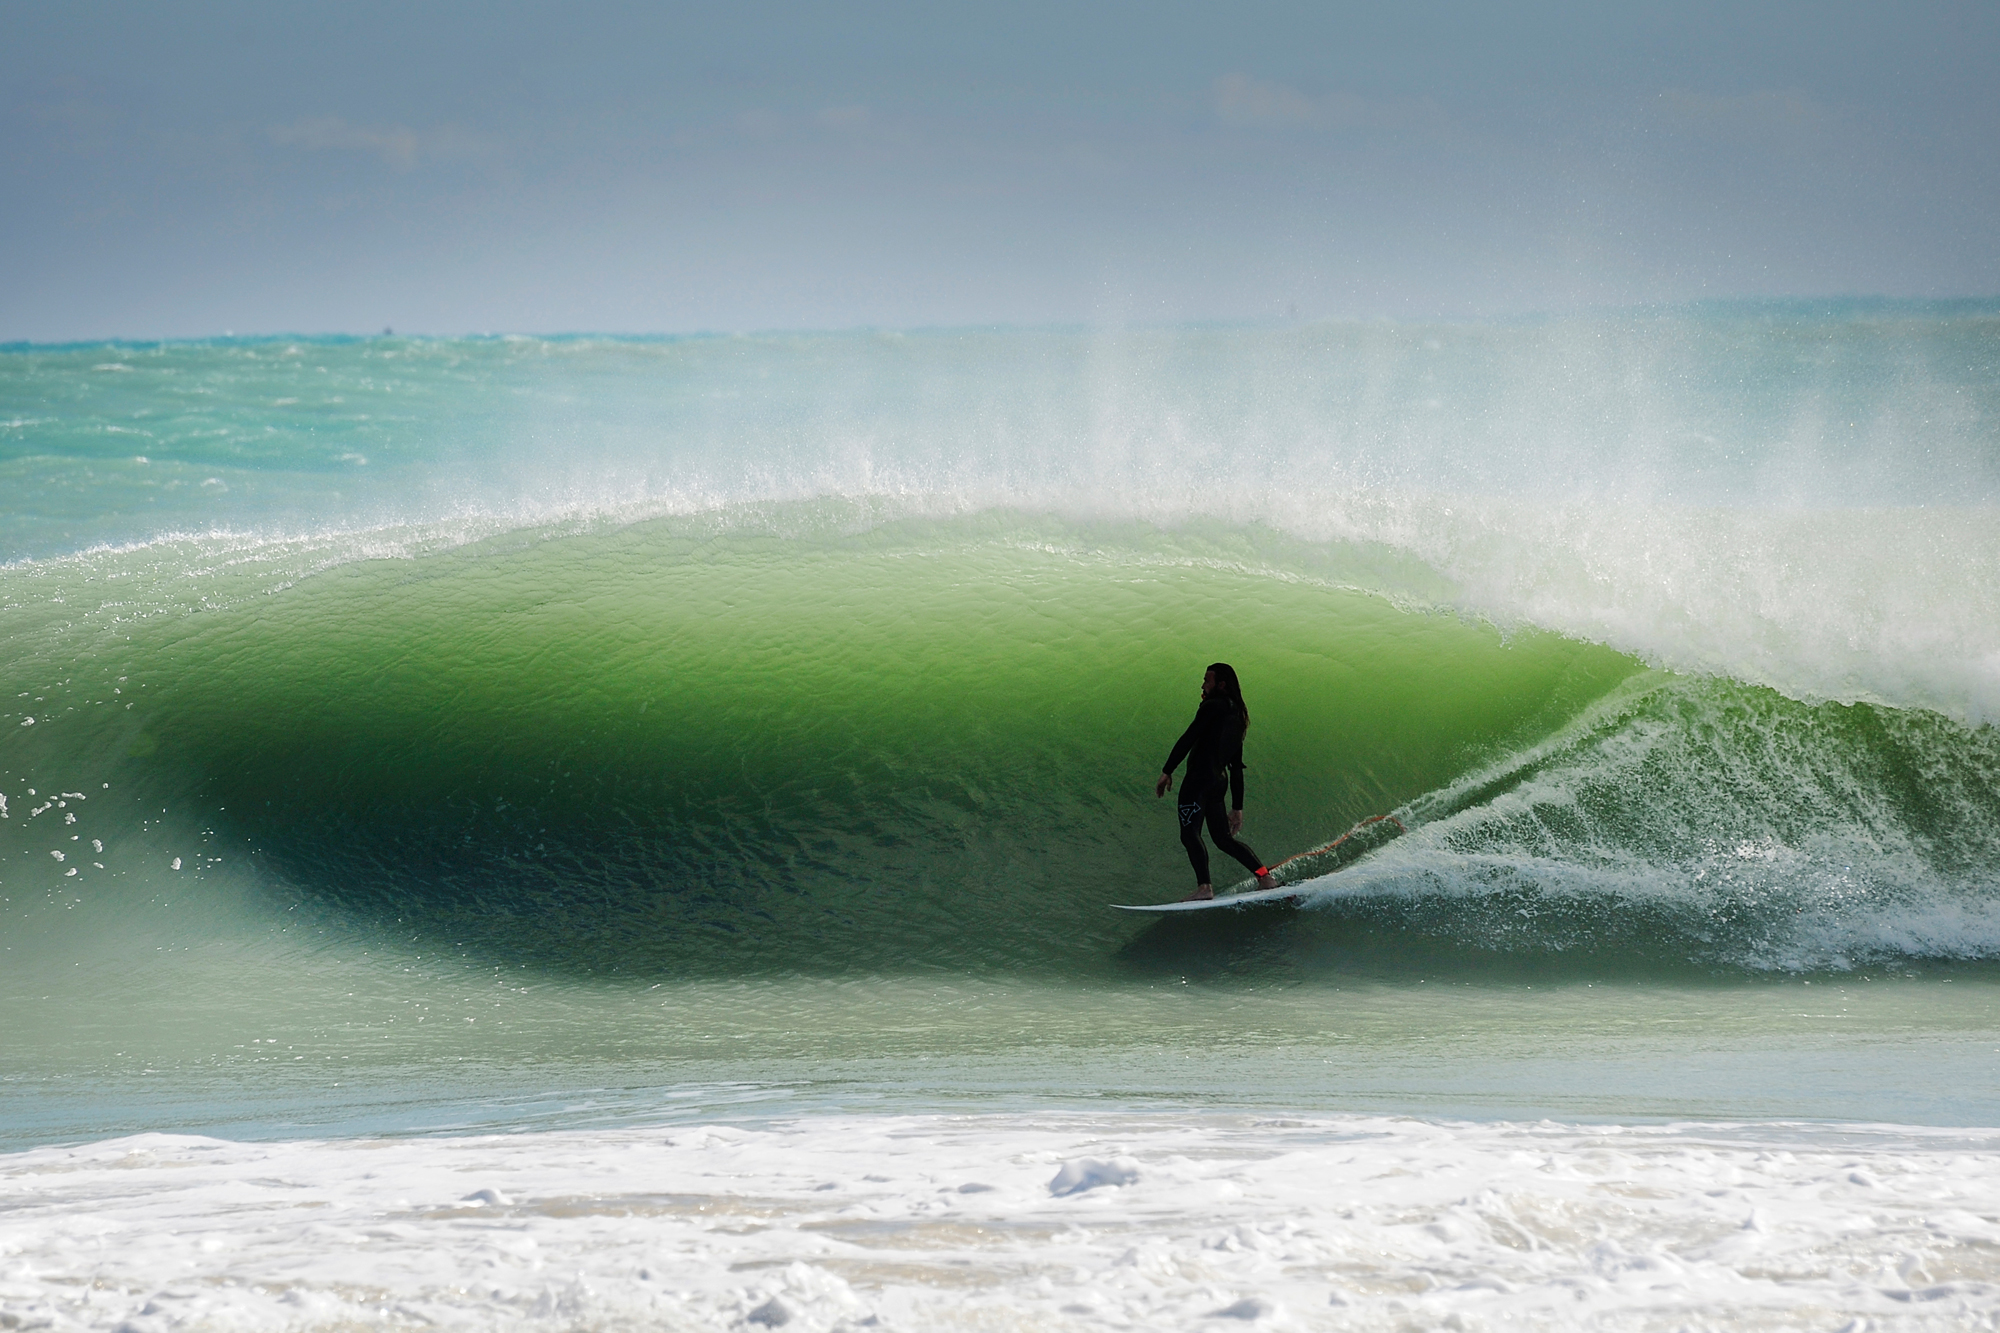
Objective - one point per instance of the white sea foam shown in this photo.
(1050, 1221)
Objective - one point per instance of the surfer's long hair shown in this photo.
(1231, 689)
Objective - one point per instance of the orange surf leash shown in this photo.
(1319, 851)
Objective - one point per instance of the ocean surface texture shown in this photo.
(603, 833)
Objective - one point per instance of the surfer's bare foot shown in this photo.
(1202, 893)
(1266, 882)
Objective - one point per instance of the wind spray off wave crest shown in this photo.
(1796, 496)
(1713, 823)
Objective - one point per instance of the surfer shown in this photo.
(1213, 748)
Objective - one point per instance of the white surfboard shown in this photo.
(1283, 893)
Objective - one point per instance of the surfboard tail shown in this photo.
(1343, 851)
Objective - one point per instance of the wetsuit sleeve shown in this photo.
(1236, 774)
(1181, 746)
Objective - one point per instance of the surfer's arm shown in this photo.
(1236, 776)
(1236, 790)
(1174, 757)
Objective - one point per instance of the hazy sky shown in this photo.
(191, 168)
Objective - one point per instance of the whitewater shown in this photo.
(600, 832)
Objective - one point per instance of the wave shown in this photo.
(822, 738)
(1705, 821)
(1672, 637)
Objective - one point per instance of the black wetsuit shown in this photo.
(1213, 747)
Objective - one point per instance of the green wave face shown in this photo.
(654, 751)
(681, 749)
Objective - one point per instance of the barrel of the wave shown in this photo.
(648, 749)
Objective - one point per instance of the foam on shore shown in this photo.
(1045, 1221)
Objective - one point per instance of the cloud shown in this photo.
(400, 147)
(771, 126)
(760, 123)
(849, 118)
(1768, 111)
(75, 115)
(1243, 102)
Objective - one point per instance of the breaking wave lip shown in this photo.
(1618, 837)
(1891, 606)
